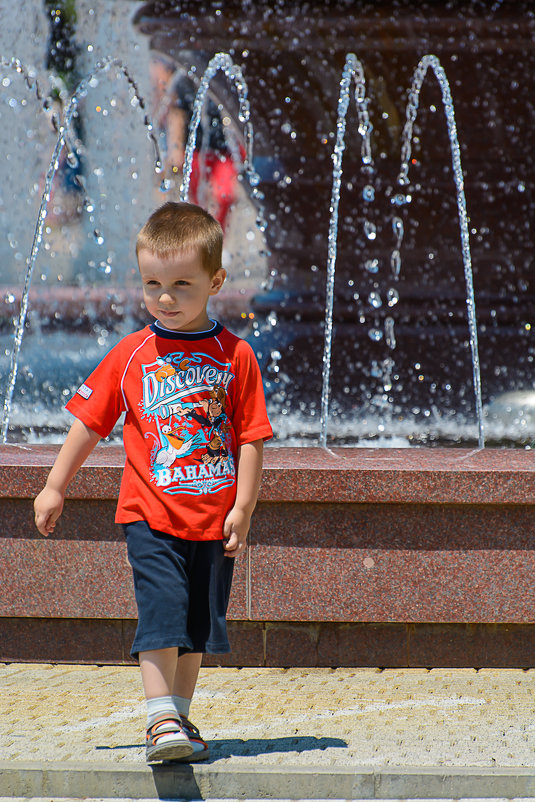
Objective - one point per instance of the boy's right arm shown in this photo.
(78, 445)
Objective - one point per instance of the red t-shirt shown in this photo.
(190, 401)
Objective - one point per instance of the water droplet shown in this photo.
(99, 239)
(372, 265)
(368, 193)
(389, 332)
(375, 334)
(395, 263)
(392, 296)
(72, 159)
(400, 200)
(374, 299)
(376, 371)
(165, 185)
(370, 230)
(9, 298)
(397, 227)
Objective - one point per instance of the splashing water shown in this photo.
(70, 112)
(353, 70)
(223, 62)
(29, 77)
(403, 179)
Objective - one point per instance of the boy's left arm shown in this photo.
(238, 519)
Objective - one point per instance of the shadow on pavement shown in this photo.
(107, 748)
(235, 747)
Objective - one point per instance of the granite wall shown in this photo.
(356, 557)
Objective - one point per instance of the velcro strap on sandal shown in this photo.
(163, 726)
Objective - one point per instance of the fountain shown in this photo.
(296, 82)
(372, 293)
(400, 353)
(223, 61)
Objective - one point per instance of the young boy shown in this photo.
(193, 434)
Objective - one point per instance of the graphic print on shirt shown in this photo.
(185, 397)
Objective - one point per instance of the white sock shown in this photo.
(182, 705)
(160, 705)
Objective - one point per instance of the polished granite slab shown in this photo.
(342, 545)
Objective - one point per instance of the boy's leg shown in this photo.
(167, 738)
(158, 668)
(187, 672)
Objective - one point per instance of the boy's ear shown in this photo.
(218, 279)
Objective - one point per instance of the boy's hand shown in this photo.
(235, 532)
(48, 507)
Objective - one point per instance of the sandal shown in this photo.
(167, 739)
(200, 747)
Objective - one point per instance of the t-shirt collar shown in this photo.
(168, 334)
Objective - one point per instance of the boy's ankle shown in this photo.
(182, 705)
(160, 706)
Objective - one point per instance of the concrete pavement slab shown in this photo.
(354, 733)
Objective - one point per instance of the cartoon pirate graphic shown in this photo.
(214, 423)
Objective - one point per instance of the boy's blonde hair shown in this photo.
(176, 227)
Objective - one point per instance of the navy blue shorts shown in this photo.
(182, 590)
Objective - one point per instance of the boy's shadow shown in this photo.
(252, 747)
(235, 747)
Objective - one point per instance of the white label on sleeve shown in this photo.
(85, 391)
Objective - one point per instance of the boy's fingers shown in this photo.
(44, 525)
(231, 542)
(46, 521)
(234, 545)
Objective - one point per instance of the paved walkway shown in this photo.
(350, 732)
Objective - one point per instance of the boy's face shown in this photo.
(176, 289)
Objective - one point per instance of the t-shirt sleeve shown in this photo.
(99, 402)
(250, 419)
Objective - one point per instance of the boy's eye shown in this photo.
(182, 283)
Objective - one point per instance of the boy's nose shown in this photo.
(166, 297)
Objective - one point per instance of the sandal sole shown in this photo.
(195, 756)
(177, 751)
